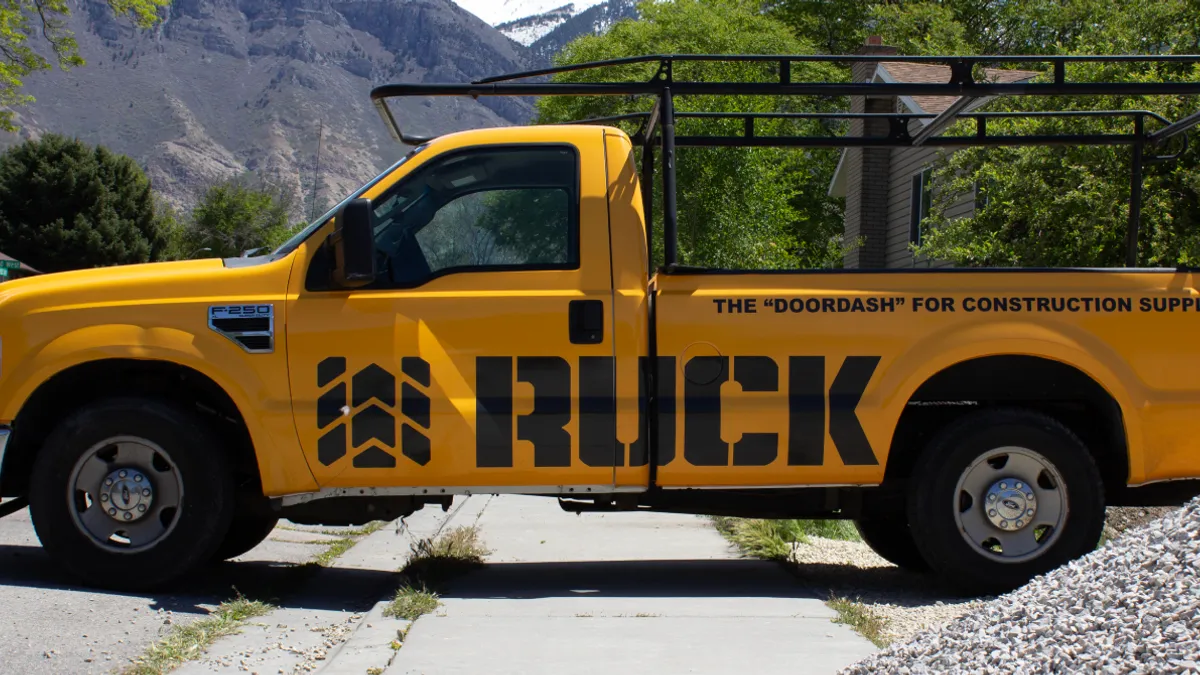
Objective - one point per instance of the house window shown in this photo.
(919, 202)
(982, 193)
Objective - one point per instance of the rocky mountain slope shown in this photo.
(226, 86)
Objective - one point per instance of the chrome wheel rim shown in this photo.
(1010, 504)
(124, 493)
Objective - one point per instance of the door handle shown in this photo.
(586, 319)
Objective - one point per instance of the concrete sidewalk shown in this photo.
(620, 593)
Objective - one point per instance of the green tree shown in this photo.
(234, 216)
(1045, 206)
(67, 205)
(21, 19)
(1069, 205)
(738, 207)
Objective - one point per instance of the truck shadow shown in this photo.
(356, 590)
(281, 584)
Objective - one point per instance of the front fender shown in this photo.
(257, 384)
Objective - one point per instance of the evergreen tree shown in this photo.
(67, 205)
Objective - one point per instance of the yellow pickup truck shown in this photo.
(484, 317)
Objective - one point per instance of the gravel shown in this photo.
(906, 602)
(1133, 606)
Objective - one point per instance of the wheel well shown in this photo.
(75, 387)
(1050, 387)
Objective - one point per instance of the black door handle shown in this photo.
(586, 318)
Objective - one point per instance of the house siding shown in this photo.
(907, 162)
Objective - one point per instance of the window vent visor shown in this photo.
(252, 327)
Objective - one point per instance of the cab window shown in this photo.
(480, 210)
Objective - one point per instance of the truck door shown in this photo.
(459, 366)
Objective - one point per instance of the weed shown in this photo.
(861, 618)
(375, 671)
(772, 539)
(334, 549)
(432, 562)
(188, 641)
(411, 603)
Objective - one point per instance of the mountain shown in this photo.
(502, 12)
(592, 21)
(226, 86)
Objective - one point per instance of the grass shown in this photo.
(772, 539)
(433, 562)
(412, 603)
(187, 641)
(861, 618)
(335, 549)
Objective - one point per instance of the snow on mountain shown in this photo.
(497, 12)
(532, 28)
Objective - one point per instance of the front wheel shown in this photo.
(1001, 496)
(130, 494)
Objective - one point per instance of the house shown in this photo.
(888, 191)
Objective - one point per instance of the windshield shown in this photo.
(291, 244)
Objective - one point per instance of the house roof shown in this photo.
(903, 71)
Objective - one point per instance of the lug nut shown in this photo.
(138, 479)
(1018, 486)
(1029, 512)
(103, 497)
(128, 516)
(142, 508)
(1029, 496)
(145, 492)
(992, 497)
(123, 474)
(108, 481)
(1004, 486)
(1004, 524)
(992, 513)
(1020, 523)
(112, 512)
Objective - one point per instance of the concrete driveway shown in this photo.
(620, 593)
(48, 624)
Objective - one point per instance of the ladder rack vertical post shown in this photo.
(670, 213)
(648, 199)
(1135, 195)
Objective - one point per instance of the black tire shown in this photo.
(197, 525)
(890, 538)
(932, 499)
(253, 521)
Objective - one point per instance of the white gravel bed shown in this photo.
(1133, 606)
(850, 569)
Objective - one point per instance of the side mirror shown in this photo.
(354, 245)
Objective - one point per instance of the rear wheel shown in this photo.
(130, 494)
(890, 538)
(1001, 496)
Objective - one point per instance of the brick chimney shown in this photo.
(868, 170)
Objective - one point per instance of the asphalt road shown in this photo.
(50, 625)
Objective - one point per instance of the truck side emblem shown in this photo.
(252, 327)
(374, 425)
